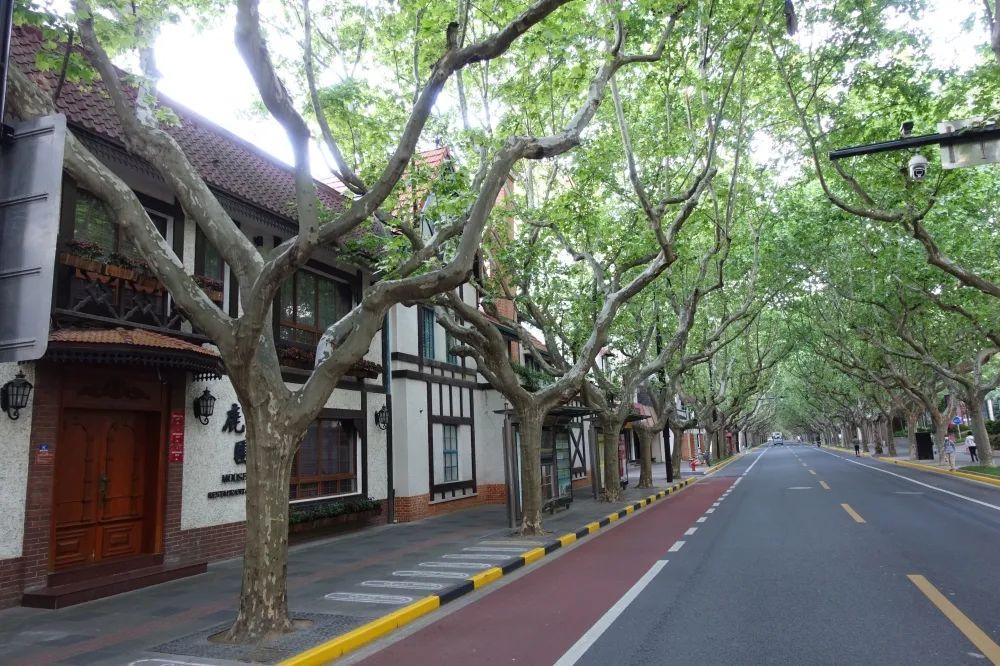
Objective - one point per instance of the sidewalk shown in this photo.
(902, 457)
(338, 584)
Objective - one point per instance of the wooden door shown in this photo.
(100, 486)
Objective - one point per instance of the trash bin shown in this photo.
(925, 447)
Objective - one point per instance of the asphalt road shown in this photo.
(773, 569)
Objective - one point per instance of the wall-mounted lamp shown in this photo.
(382, 418)
(14, 395)
(204, 406)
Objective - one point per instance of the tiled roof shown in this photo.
(227, 162)
(122, 336)
(427, 158)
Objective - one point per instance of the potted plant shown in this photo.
(84, 255)
(296, 357)
(210, 286)
(144, 276)
(333, 516)
(119, 266)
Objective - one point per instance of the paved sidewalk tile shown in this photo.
(338, 583)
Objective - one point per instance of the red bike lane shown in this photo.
(537, 618)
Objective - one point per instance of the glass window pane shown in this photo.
(329, 443)
(307, 453)
(327, 303)
(93, 223)
(214, 266)
(345, 299)
(306, 299)
(287, 302)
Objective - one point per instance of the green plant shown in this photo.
(85, 249)
(206, 282)
(121, 260)
(332, 509)
(531, 379)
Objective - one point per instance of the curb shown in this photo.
(972, 476)
(371, 631)
(715, 468)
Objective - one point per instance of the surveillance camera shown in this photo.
(906, 129)
(918, 167)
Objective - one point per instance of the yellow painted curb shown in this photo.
(533, 555)
(363, 635)
(366, 633)
(715, 468)
(964, 475)
(486, 577)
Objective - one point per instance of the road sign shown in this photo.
(967, 153)
(957, 420)
(31, 163)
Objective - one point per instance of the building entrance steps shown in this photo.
(350, 580)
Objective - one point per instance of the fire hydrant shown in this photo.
(694, 463)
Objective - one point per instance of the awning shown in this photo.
(122, 346)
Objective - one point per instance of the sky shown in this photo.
(203, 71)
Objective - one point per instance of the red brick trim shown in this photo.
(415, 507)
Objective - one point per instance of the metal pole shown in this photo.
(967, 135)
(6, 25)
(390, 475)
(507, 469)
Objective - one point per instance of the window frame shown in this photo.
(356, 446)
(315, 330)
(425, 330)
(450, 470)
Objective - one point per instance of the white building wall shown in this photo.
(489, 438)
(14, 452)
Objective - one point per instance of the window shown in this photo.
(426, 333)
(309, 304)
(449, 342)
(326, 462)
(450, 453)
(93, 223)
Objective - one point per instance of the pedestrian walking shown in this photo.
(949, 453)
(857, 449)
(970, 442)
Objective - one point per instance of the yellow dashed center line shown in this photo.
(977, 636)
(852, 513)
(823, 483)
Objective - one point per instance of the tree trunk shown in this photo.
(983, 451)
(890, 436)
(531, 472)
(677, 434)
(911, 433)
(263, 599)
(940, 432)
(645, 457)
(612, 472)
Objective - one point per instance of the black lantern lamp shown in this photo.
(204, 406)
(14, 395)
(382, 418)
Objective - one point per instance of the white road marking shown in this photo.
(387, 599)
(473, 556)
(581, 646)
(166, 662)
(702, 519)
(511, 542)
(431, 574)
(757, 460)
(456, 565)
(403, 584)
(919, 483)
(709, 510)
(677, 546)
(690, 531)
(801, 488)
(908, 492)
(493, 549)
(716, 503)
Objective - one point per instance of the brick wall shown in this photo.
(11, 574)
(582, 482)
(415, 507)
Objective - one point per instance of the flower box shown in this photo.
(321, 527)
(79, 262)
(119, 272)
